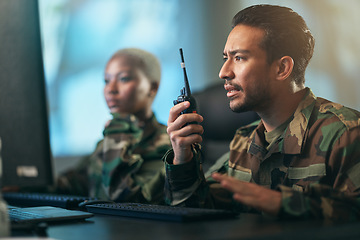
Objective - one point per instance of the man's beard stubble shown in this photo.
(240, 107)
(254, 102)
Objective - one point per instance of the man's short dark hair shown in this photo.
(286, 34)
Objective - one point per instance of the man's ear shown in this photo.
(285, 66)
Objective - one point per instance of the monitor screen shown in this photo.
(24, 131)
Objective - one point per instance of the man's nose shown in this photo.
(226, 71)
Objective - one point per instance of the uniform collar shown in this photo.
(296, 133)
(291, 141)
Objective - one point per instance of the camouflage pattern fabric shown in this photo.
(315, 164)
(125, 166)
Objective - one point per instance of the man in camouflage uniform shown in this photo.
(301, 160)
(126, 164)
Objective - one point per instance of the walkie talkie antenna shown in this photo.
(187, 87)
(185, 93)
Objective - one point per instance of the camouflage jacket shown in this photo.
(315, 164)
(125, 166)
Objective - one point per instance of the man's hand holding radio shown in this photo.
(183, 134)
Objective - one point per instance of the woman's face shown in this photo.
(127, 89)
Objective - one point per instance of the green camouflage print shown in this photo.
(125, 166)
(315, 164)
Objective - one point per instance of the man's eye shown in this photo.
(239, 58)
(107, 81)
(225, 59)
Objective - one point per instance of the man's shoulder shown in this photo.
(156, 126)
(155, 141)
(340, 115)
(332, 122)
(162, 128)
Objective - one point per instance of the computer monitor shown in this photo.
(24, 131)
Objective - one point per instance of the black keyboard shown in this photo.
(160, 212)
(44, 199)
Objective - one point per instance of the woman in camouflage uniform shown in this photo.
(126, 164)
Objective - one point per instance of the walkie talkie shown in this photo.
(185, 93)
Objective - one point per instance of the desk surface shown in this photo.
(246, 226)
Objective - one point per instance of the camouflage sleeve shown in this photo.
(337, 199)
(182, 181)
(185, 184)
(130, 161)
(113, 171)
(120, 138)
(74, 181)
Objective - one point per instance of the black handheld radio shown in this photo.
(185, 93)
